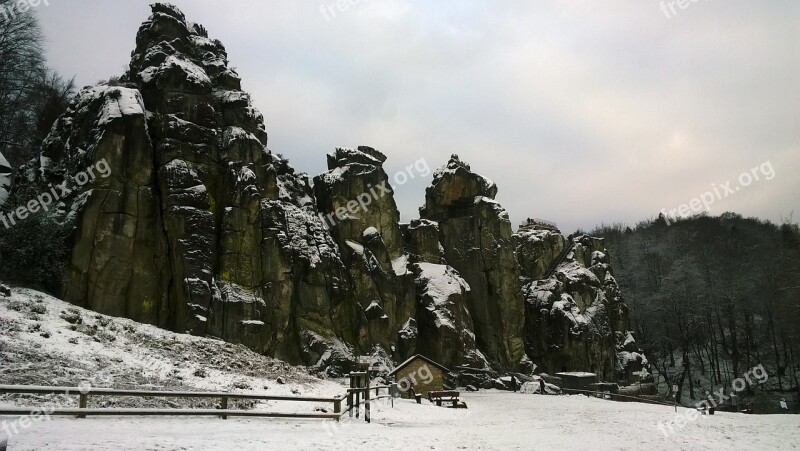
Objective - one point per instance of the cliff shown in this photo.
(196, 226)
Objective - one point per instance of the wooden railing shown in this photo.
(561, 257)
(617, 397)
(224, 412)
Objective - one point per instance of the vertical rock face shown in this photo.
(210, 157)
(476, 235)
(250, 259)
(443, 328)
(444, 324)
(422, 242)
(198, 228)
(537, 249)
(575, 320)
(177, 214)
(118, 261)
(358, 205)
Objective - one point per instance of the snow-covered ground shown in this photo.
(44, 341)
(495, 420)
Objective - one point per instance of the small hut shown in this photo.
(419, 373)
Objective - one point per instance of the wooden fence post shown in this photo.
(350, 402)
(224, 407)
(366, 398)
(337, 405)
(350, 395)
(358, 395)
(83, 401)
(393, 392)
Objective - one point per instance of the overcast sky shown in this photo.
(583, 112)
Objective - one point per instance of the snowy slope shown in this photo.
(45, 341)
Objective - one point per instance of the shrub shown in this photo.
(34, 253)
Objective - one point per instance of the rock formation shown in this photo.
(476, 235)
(191, 223)
(199, 228)
(358, 204)
(576, 319)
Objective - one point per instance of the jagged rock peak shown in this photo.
(168, 9)
(364, 155)
(454, 163)
(172, 52)
(422, 241)
(455, 186)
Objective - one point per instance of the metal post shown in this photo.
(393, 392)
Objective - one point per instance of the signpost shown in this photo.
(675, 396)
(366, 362)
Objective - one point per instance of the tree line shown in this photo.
(32, 96)
(711, 298)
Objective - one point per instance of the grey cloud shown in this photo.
(582, 112)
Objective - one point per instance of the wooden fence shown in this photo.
(360, 392)
(224, 412)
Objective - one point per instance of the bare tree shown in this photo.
(22, 69)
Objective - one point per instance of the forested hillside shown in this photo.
(712, 297)
(32, 95)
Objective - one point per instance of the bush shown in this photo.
(34, 253)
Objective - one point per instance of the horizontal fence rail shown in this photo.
(17, 389)
(165, 412)
(84, 393)
(615, 396)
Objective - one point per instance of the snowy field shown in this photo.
(494, 420)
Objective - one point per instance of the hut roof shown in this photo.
(415, 357)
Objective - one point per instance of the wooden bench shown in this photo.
(440, 396)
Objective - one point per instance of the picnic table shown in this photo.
(439, 397)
